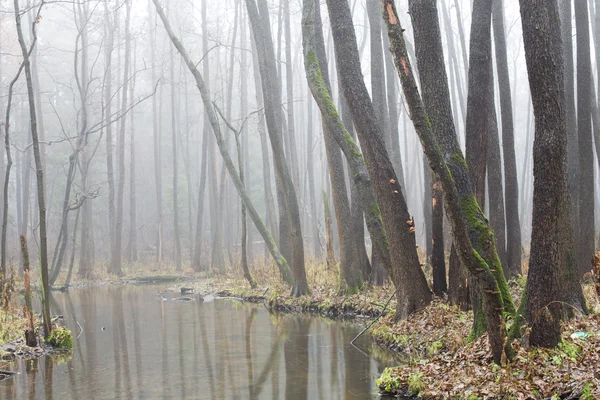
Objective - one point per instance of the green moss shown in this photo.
(481, 231)
(388, 382)
(61, 337)
(459, 159)
(479, 325)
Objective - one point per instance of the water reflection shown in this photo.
(130, 344)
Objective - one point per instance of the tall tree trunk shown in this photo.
(411, 285)
(264, 146)
(132, 253)
(436, 96)
(39, 171)
(512, 266)
(174, 132)
(585, 169)
(350, 271)
(357, 208)
(259, 20)
(117, 255)
(156, 135)
(107, 107)
(552, 263)
(438, 263)
(310, 145)
(289, 84)
(392, 102)
(463, 211)
(494, 177)
(197, 260)
(314, 56)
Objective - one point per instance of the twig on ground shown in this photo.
(373, 322)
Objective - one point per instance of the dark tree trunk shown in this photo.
(314, 56)
(259, 20)
(436, 97)
(552, 262)
(438, 263)
(585, 169)
(512, 266)
(357, 208)
(478, 96)
(411, 285)
(350, 272)
(462, 209)
(494, 178)
(310, 145)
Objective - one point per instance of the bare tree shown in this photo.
(211, 114)
(39, 169)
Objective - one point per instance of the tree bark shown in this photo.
(436, 96)
(411, 285)
(512, 266)
(272, 99)
(494, 178)
(450, 177)
(585, 169)
(552, 262)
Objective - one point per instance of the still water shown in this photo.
(132, 344)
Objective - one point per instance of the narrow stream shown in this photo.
(134, 345)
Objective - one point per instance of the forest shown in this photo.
(412, 185)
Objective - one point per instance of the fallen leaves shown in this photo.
(571, 369)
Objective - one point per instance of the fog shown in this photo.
(117, 105)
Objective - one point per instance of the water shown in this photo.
(133, 345)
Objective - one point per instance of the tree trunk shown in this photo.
(39, 172)
(107, 107)
(174, 131)
(463, 211)
(552, 261)
(438, 264)
(411, 285)
(30, 336)
(494, 178)
(267, 182)
(259, 19)
(289, 84)
(478, 96)
(357, 209)
(156, 134)
(132, 253)
(117, 255)
(585, 169)
(512, 266)
(436, 97)
(314, 55)
(310, 145)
